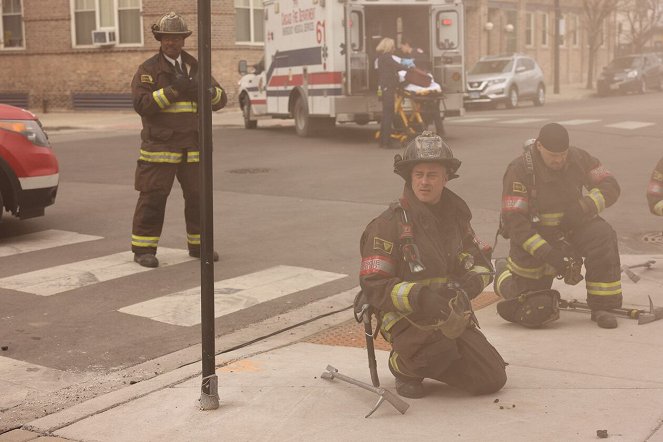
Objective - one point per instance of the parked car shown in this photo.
(29, 173)
(505, 79)
(631, 73)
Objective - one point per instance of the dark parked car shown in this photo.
(29, 173)
(631, 73)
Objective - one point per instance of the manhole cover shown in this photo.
(653, 238)
(250, 170)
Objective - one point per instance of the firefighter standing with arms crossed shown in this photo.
(552, 225)
(420, 267)
(165, 91)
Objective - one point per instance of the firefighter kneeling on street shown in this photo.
(552, 226)
(421, 265)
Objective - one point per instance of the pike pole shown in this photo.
(209, 395)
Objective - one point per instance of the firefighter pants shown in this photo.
(469, 363)
(154, 182)
(596, 241)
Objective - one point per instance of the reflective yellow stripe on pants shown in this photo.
(144, 241)
(604, 288)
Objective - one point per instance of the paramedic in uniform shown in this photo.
(549, 220)
(165, 91)
(388, 82)
(421, 265)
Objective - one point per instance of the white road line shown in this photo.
(20, 380)
(45, 239)
(183, 308)
(523, 120)
(473, 120)
(67, 277)
(630, 125)
(576, 122)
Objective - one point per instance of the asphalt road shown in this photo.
(279, 201)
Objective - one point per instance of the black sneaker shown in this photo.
(604, 319)
(146, 259)
(196, 254)
(410, 389)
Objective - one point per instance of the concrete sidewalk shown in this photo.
(76, 121)
(566, 381)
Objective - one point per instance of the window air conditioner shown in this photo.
(104, 37)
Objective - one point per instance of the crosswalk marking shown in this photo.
(45, 239)
(474, 120)
(576, 122)
(629, 125)
(183, 308)
(523, 120)
(75, 275)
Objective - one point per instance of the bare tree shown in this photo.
(595, 12)
(643, 18)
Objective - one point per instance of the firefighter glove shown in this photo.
(472, 284)
(435, 303)
(558, 259)
(182, 84)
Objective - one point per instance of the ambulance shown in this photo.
(319, 58)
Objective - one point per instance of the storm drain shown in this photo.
(351, 334)
(655, 238)
(250, 170)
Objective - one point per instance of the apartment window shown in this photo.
(249, 22)
(574, 30)
(511, 31)
(11, 26)
(121, 16)
(529, 29)
(544, 29)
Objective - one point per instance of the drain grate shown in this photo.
(655, 238)
(250, 170)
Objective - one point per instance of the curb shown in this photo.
(326, 314)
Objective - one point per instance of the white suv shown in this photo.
(505, 79)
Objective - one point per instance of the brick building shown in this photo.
(48, 59)
(527, 26)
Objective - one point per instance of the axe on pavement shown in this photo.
(632, 276)
(643, 316)
(385, 395)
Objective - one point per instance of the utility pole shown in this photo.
(209, 395)
(558, 17)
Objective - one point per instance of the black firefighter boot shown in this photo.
(407, 386)
(410, 388)
(604, 319)
(146, 259)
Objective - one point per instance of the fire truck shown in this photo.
(319, 58)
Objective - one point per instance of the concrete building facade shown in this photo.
(48, 59)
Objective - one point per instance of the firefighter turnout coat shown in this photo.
(537, 203)
(445, 240)
(655, 190)
(169, 148)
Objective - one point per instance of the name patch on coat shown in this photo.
(146, 78)
(519, 187)
(382, 244)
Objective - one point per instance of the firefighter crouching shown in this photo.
(165, 91)
(655, 190)
(552, 226)
(420, 267)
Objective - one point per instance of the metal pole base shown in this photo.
(210, 401)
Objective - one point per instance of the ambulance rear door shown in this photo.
(355, 50)
(447, 51)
